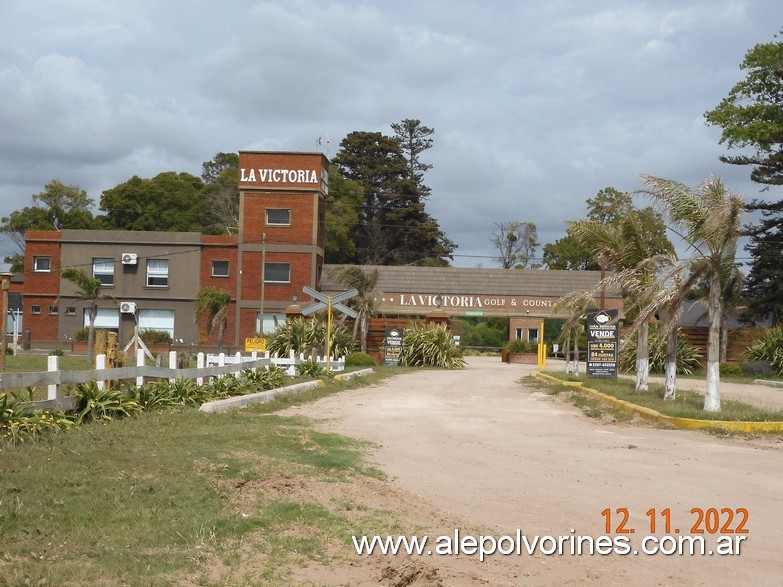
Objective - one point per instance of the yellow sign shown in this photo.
(255, 344)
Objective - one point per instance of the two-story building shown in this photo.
(151, 278)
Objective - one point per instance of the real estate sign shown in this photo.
(392, 347)
(603, 342)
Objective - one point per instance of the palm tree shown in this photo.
(215, 303)
(709, 217)
(89, 292)
(626, 249)
(366, 302)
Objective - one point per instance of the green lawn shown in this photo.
(688, 404)
(141, 500)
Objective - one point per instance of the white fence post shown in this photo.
(221, 362)
(172, 363)
(53, 364)
(200, 360)
(254, 357)
(100, 363)
(239, 358)
(140, 363)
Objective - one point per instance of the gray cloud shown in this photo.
(536, 106)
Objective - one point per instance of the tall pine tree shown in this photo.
(394, 227)
(751, 117)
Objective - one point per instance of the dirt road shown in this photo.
(499, 456)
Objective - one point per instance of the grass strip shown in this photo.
(144, 499)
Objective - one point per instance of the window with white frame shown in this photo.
(157, 320)
(277, 273)
(278, 216)
(103, 270)
(70, 311)
(36, 310)
(54, 310)
(108, 318)
(157, 272)
(219, 268)
(42, 264)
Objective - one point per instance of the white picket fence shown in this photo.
(207, 366)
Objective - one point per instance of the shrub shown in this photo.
(768, 348)
(688, 358)
(81, 335)
(57, 353)
(310, 368)
(302, 335)
(429, 345)
(359, 360)
(19, 421)
(93, 403)
(521, 346)
(730, 370)
(152, 336)
(757, 369)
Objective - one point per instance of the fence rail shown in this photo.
(207, 366)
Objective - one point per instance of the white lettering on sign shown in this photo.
(601, 333)
(277, 175)
(460, 301)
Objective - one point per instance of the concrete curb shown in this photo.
(242, 401)
(352, 374)
(768, 382)
(650, 414)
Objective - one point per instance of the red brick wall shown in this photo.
(41, 289)
(301, 267)
(219, 248)
(301, 230)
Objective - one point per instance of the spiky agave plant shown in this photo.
(429, 345)
(688, 358)
(768, 348)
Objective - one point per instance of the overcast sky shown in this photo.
(536, 105)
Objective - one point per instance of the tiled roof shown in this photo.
(458, 280)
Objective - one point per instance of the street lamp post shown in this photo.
(6, 285)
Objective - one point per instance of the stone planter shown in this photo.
(525, 358)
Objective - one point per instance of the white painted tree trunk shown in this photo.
(670, 383)
(712, 395)
(567, 354)
(576, 352)
(643, 358)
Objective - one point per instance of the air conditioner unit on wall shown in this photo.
(129, 258)
(128, 307)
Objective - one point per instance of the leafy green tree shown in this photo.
(169, 201)
(394, 228)
(343, 210)
(215, 304)
(751, 117)
(89, 292)
(710, 219)
(515, 242)
(608, 206)
(58, 206)
(221, 192)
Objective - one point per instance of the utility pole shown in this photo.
(6, 285)
(263, 277)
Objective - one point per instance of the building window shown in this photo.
(157, 320)
(103, 270)
(532, 334)
(108, 318)
(278, 217)
(277, 273)
(519, 334)
(35, 310)
(269, 323)
(70, 311)
(219, 268)
(158, 272)
(42, 264)
(54, 310)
